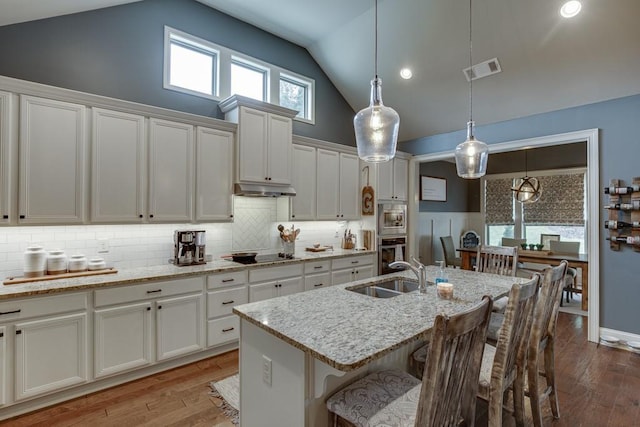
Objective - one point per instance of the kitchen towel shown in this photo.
(399, 255)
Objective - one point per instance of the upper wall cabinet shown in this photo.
(214, 174)
(52, 161)
(6, 126)
(337, 185)
(303, 205)
(264, 139)
(118, 167)
(392, 180)
(171, 172)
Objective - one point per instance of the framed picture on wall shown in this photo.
(546, 238)
(433, 189)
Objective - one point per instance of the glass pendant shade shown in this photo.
(527, 190)
(376, 128)
(471, 156)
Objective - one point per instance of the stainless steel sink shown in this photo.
(388, 289)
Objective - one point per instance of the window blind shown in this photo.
(499, 201)
(561, 201)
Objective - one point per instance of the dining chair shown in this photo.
(567, 248)
(542, 342)
(445, 396)
(503, 365)
(501, 260)
(449, 251)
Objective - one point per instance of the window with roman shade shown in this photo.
(499, 201)
(561, 201)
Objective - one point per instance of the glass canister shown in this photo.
(77, 263)
(56, 262)
(35, 261)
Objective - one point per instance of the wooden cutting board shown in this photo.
(20, 280)
(320, 249)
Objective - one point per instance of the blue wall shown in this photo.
(118, 52)
(619, 150)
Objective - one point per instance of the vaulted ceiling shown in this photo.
(548, 62)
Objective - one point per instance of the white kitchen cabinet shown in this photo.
(214, 174)
(3, 365)
(132, 321)
(118, 167)
(338, 185)
(303, 205)
(264, 147)
(271, 282)
(392, 179)
(225, 291)
(171, 171)
(52, 178)
(123, 338)
(352, 268)
(50, 354)
(180, 326)
(6, 131)
(317, 274)
(44, 344)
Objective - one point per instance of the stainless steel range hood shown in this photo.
(259, 190)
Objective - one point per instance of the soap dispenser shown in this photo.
(441, 275)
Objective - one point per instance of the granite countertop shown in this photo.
(347, 330)
(158, 272)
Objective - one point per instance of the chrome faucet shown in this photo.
(418, 269)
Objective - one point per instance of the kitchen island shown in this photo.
(295, 351)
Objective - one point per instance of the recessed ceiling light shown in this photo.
(570, 9)
(406, 73)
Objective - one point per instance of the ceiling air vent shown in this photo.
(483, 69)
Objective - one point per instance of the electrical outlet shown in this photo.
(266, 370)
(103, 246)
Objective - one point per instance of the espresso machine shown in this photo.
(189, 247)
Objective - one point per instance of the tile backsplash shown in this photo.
(140, 245)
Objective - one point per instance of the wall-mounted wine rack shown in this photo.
(624, 214)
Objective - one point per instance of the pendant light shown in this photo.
(376, 126)
(471, 155)
(527, 189)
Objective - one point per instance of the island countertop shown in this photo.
(347, 330)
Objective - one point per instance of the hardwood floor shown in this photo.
(597, 386)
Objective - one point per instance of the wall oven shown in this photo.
(392, 219)
(391, 249)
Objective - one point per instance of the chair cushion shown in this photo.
(384, 398)
(495, 323)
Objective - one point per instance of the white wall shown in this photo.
(141, 245)
(433, 225)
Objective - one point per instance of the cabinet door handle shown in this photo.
(22, 216)
(228, 329)
(228, 302)
(5, 216)
(227, 280)
(140, 216)
(151, 216)
(318, 285)
(10, 312)
(148, 308)
(159, 307)
(18, 332)
(1, 334)
(154, 292)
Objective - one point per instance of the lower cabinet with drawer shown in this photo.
(317, 274)
(352, 268)
(277, 281)
(43, 345)
(138, 325)
(225, 291)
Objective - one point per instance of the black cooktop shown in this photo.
(264, 258)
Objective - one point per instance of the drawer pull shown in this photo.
(228, 329)
(355, 262)
(318, 284)
(18, 332)
(10, 312)
(154, 292)
(227, 280)
(228, 302)
(317, 267)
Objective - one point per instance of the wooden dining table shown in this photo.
(580, 261)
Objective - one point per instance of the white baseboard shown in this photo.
(623, 339)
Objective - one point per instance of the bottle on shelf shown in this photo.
(633, 206)
(629, 240)
(621, 190)
(612, 224)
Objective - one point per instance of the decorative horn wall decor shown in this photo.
(367, 196)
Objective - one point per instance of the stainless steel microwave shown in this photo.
(392, 219)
